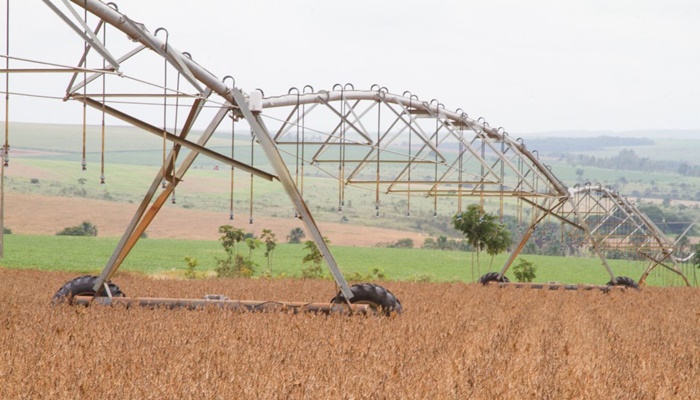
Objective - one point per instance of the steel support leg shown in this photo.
(280, 168)
(139, 221)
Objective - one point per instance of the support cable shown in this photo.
(252, 163)
(173, 159)
(86, 48)
(233, 152)
(6, 146)
(233, 149)
(297, 144)
(340, 148)
(379, 143)
(104, 89)
(437, 143)
(165, 106)
(410, 146)
(303, 138)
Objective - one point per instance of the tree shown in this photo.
(482, 231)
(191, 265)
(441, 242)
(234, 265)
(270, 240)
(252, 243)
(524, 271)
(295, 235)
(314, 257)
(230, 238)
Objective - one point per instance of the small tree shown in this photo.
(230, 238)
(191, 265)
(296, 235)
(234, 265)
(441, 242)
(270, 243)
(314, 257)
(252, 243)
(524, 271)
(482, 231)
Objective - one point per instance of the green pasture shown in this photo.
(165, 257)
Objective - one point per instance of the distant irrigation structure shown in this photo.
(366, 139)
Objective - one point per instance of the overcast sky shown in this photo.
(525, 65)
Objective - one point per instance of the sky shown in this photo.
(529, 66)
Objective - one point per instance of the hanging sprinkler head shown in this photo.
(102, 179)
(230, 216)
(84, 165)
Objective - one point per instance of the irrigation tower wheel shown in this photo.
(492, 277)
(82, 286)
(377, 297)
(624, 281)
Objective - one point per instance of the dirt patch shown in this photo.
(44, 215)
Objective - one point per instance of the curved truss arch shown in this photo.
(449, 154)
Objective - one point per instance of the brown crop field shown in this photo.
(453, 341)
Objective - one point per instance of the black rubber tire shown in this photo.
(492, 277)
(625, 281)
(377, 297)
(82, 286)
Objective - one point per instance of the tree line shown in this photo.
(628, 160)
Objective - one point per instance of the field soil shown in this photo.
(454, 341)
(44, 215)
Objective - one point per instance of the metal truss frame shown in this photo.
(448, 153)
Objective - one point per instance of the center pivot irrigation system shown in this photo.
(372, 140)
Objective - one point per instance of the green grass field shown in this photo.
(165, 257)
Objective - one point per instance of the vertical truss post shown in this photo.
(285, 177)
(594, 242)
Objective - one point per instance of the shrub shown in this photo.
(313, 271)
(314, 257)
(234, 267)
(191, 265)
(85, 229)
(524, 271)
(295, 235)
(374, 274)
(421, 278)
(405, 243)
